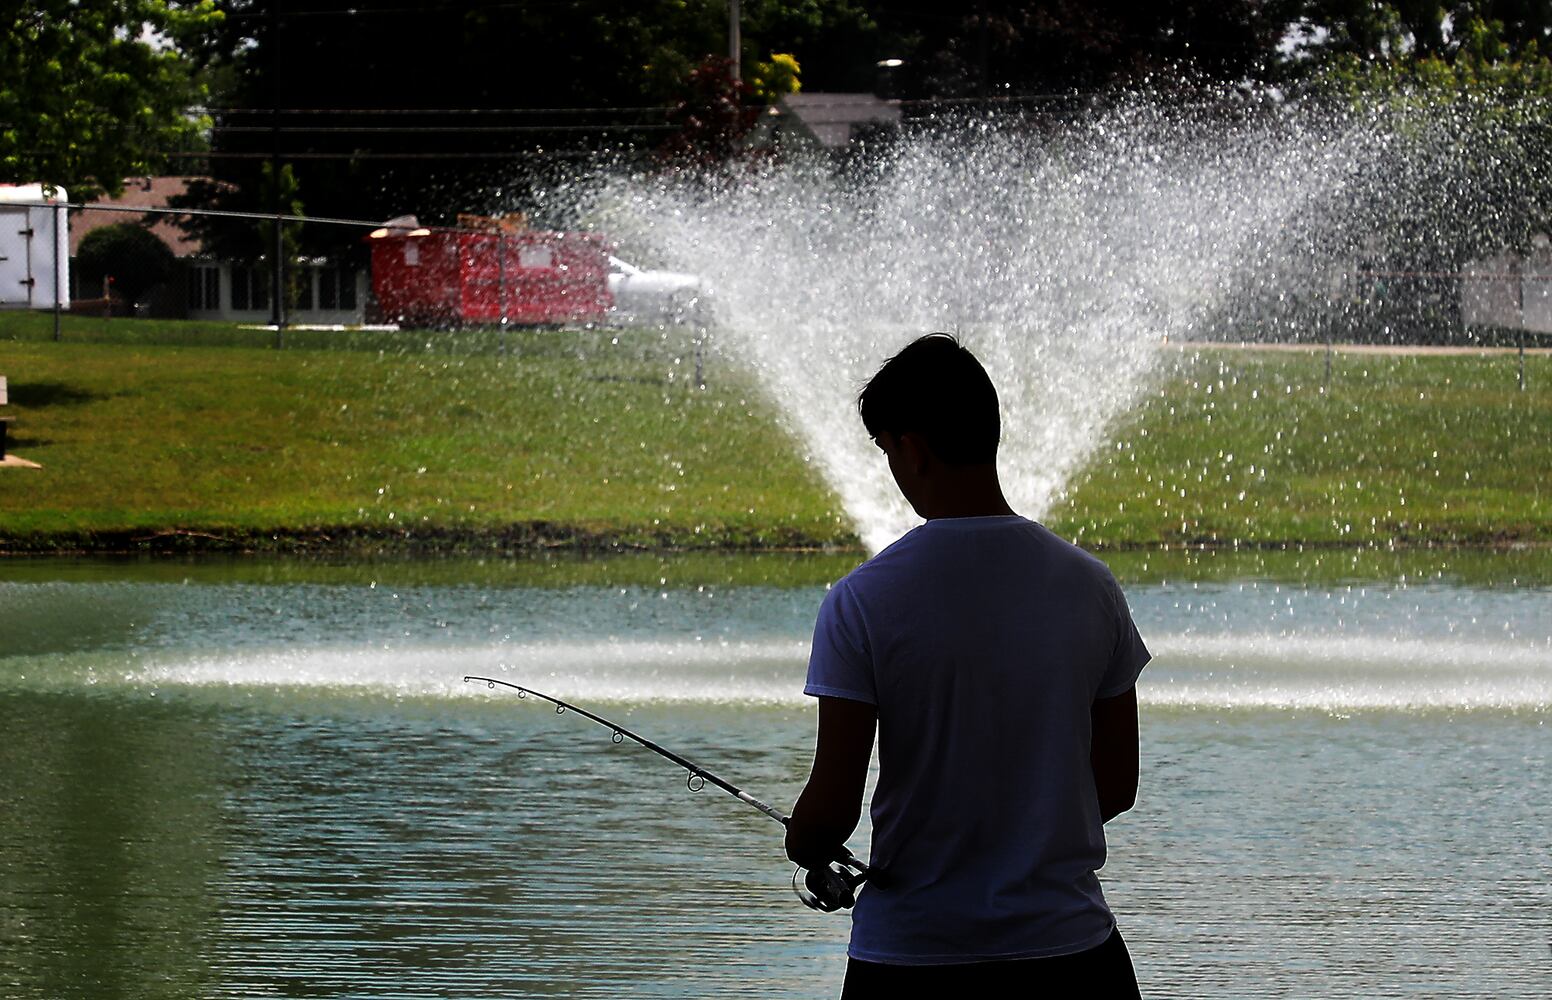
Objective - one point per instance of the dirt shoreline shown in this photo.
(539, 538)
(531, 538)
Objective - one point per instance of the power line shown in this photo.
(435, 111)
(215, 212)
(222, 213)
(651, 109)
(374, 11)
(374, 155)
(408, 129)
(437, 129)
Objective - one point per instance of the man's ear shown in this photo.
(914, 449)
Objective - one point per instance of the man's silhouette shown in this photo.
(997, 664)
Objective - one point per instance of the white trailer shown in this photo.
(34, 247)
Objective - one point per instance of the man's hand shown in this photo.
(827, 811)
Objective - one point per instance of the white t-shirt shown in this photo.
(984, 641)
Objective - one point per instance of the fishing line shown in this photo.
(828, 889)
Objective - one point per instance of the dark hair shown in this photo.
(936, 388)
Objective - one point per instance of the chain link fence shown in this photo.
(132, 271)
(141, 274)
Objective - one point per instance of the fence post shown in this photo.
(700, 342)
(60, 234)
(1520, 336)
(278, 284)
(278, 276)
(501, 285)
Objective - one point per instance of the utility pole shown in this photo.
(735, 41)
(983, 53)
(277, 281)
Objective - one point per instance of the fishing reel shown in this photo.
(831, 888)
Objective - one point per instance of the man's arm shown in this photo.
(1114, 752)
(830, 805)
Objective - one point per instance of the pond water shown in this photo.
(217, 781)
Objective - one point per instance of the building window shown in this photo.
(240, 297)
(336, 288)
(205, 287)
(537, 257)
(250, 288)
(305, 278)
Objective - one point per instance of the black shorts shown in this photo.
(1101, 973)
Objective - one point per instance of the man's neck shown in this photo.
(971, 491)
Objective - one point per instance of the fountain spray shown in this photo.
(827, 890)
(1064, 254)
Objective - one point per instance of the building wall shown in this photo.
(1509, 291)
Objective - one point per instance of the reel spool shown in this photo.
(827, 889)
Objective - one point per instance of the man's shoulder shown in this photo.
(1022, 545)
(887, 566)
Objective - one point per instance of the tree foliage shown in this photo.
(544, 90)
(1016, 48)
(772, 79)
(712, 120)
(1415, 30)
(93, 91)
(1469, 95)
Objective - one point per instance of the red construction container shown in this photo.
(437, 278)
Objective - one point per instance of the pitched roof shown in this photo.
(147, 192)
(832, 119)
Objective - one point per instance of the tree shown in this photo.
(544, 90)
(1017, 48)
(773, 79)
(1449, 110)
(1470, 101)
(131, 255)
(93, 91)
(712, 120)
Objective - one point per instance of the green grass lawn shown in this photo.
(473, 439)
(1251, 447)
(568, 436)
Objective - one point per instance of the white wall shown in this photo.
(1488, 295)
(1537, 291)
(1508, 291)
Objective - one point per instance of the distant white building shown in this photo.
(327, 294)
(826, 121)
(211, 289)
(1509, 291)
(34, 247)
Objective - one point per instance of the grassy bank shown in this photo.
(566, 439)
(1255, 448)
(474, 441)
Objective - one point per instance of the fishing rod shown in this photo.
(825, 889)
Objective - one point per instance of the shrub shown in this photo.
(134, 257)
